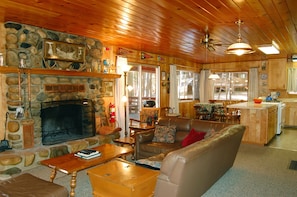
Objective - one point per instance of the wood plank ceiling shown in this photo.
(169, 27)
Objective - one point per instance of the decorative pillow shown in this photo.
(192, 137)
(164, 134)
(210, 133)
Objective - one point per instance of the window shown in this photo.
(144, 87)
(231, 86)
(188, 83)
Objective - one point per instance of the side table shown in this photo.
(128, 141)
(139, 128)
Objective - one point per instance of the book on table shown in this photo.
(88, 154)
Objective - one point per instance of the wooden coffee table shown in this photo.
(122, 178)
(70, 164)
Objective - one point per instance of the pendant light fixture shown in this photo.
(239, 48)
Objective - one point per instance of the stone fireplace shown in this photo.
(36, 91)
(60, 96)
(63, 121)
(26, 44)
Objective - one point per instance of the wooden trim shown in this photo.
(41, 71)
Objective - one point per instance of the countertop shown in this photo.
(288, 100)
(252, 105)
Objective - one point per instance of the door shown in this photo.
(143, 88)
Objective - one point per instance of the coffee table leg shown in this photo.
(53, 175)
(133, 153)
(73, 184)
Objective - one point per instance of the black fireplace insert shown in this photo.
(67, 120)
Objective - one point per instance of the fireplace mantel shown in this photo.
(43, 71)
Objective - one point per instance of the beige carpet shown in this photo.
(287, 140)
(258, 172)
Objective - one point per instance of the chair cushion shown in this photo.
(164, 134)
(192, 137)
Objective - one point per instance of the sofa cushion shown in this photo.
(164, 134)
(153, 162)
(192, 137)
(155, 148)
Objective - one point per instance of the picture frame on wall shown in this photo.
(109, 88)
(163, 75)
(56, 50)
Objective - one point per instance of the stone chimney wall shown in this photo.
(26, 42)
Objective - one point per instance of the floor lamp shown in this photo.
(125, 68)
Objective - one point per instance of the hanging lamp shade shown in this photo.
(239, 48)
(214, 76)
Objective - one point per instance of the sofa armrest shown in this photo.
(143, 137)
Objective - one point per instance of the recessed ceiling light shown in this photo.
(269, 49)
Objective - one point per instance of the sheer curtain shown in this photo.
(173, 97)
(292, 80)
(253, 91)
(120, 105)
(206, 90)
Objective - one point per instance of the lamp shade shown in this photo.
(122, 63)
(213, 76)
(239, 49)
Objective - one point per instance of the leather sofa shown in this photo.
(145, 147)
(190, 171)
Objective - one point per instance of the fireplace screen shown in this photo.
(67, 120)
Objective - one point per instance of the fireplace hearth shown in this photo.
(62, 121)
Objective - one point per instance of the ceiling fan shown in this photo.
(209, 43)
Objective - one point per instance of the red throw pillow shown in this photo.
(192, 137)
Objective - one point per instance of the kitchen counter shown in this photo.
(288, 100)
(260, 121)
(252, 105)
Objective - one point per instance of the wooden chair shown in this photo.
(220, 114)
(149, 115)
(201, 113)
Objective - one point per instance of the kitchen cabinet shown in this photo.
(277, 74)
(260, 121)
(290, 114)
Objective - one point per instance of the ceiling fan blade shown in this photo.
(211, 48)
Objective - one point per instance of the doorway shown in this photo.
(143, 88)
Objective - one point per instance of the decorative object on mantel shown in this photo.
(63, 55)
(52, 64)
(56, 50)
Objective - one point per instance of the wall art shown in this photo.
(63, 51)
